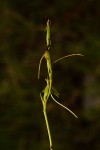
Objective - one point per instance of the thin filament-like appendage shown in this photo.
(67, 56)
(40, 66)
(63, 106)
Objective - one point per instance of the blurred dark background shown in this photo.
(75, 28)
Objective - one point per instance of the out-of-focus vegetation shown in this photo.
(75, 29)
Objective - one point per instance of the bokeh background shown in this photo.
(75, 28)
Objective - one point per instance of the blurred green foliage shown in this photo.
(75, 29)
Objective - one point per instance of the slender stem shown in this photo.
(48, 128)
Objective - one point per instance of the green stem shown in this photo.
(48, 128)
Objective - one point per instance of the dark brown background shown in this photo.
(75, 28)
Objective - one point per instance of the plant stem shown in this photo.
(48, 128)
